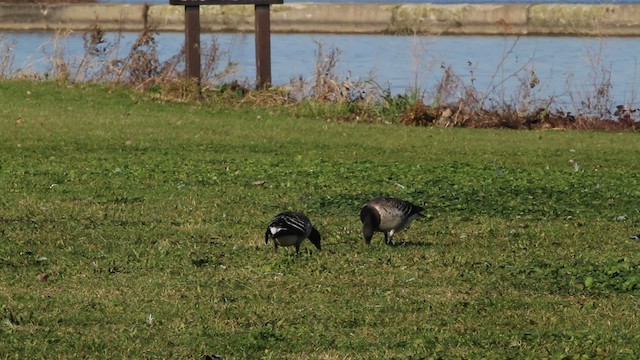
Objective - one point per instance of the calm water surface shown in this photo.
(568, 68)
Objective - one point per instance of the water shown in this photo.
(569, 69)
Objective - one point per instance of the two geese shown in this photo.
(383, 214)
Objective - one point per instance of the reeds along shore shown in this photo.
(452, 102)
(455, 19)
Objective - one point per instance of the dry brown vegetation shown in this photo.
(452, 103)
(367, 101)
(507, 117)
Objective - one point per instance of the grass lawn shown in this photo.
(131, 228)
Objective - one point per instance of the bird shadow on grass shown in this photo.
(401, 244)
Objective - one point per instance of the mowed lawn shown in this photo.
(134, 228)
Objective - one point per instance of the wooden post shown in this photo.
(263, 35)
(192, 41)
(263, 46)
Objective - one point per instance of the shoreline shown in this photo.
(338, 18)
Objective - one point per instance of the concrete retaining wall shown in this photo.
(72, 16)
(460, 19)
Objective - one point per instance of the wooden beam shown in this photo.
(192, 41)
(262, 34)
(263, 46)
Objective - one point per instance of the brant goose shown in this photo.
(290, 228)
(387, 215)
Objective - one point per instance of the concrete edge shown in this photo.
(456, 19)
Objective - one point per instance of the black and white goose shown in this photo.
(387, 215)
(290, 228)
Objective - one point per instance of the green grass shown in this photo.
(134, 229)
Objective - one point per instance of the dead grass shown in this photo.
(456, 115)
(453, 102)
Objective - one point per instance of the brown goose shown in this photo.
(387, 215)
(290, 228)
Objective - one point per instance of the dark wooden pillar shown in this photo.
(263, 45)
(263, 35)
(192, 41)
